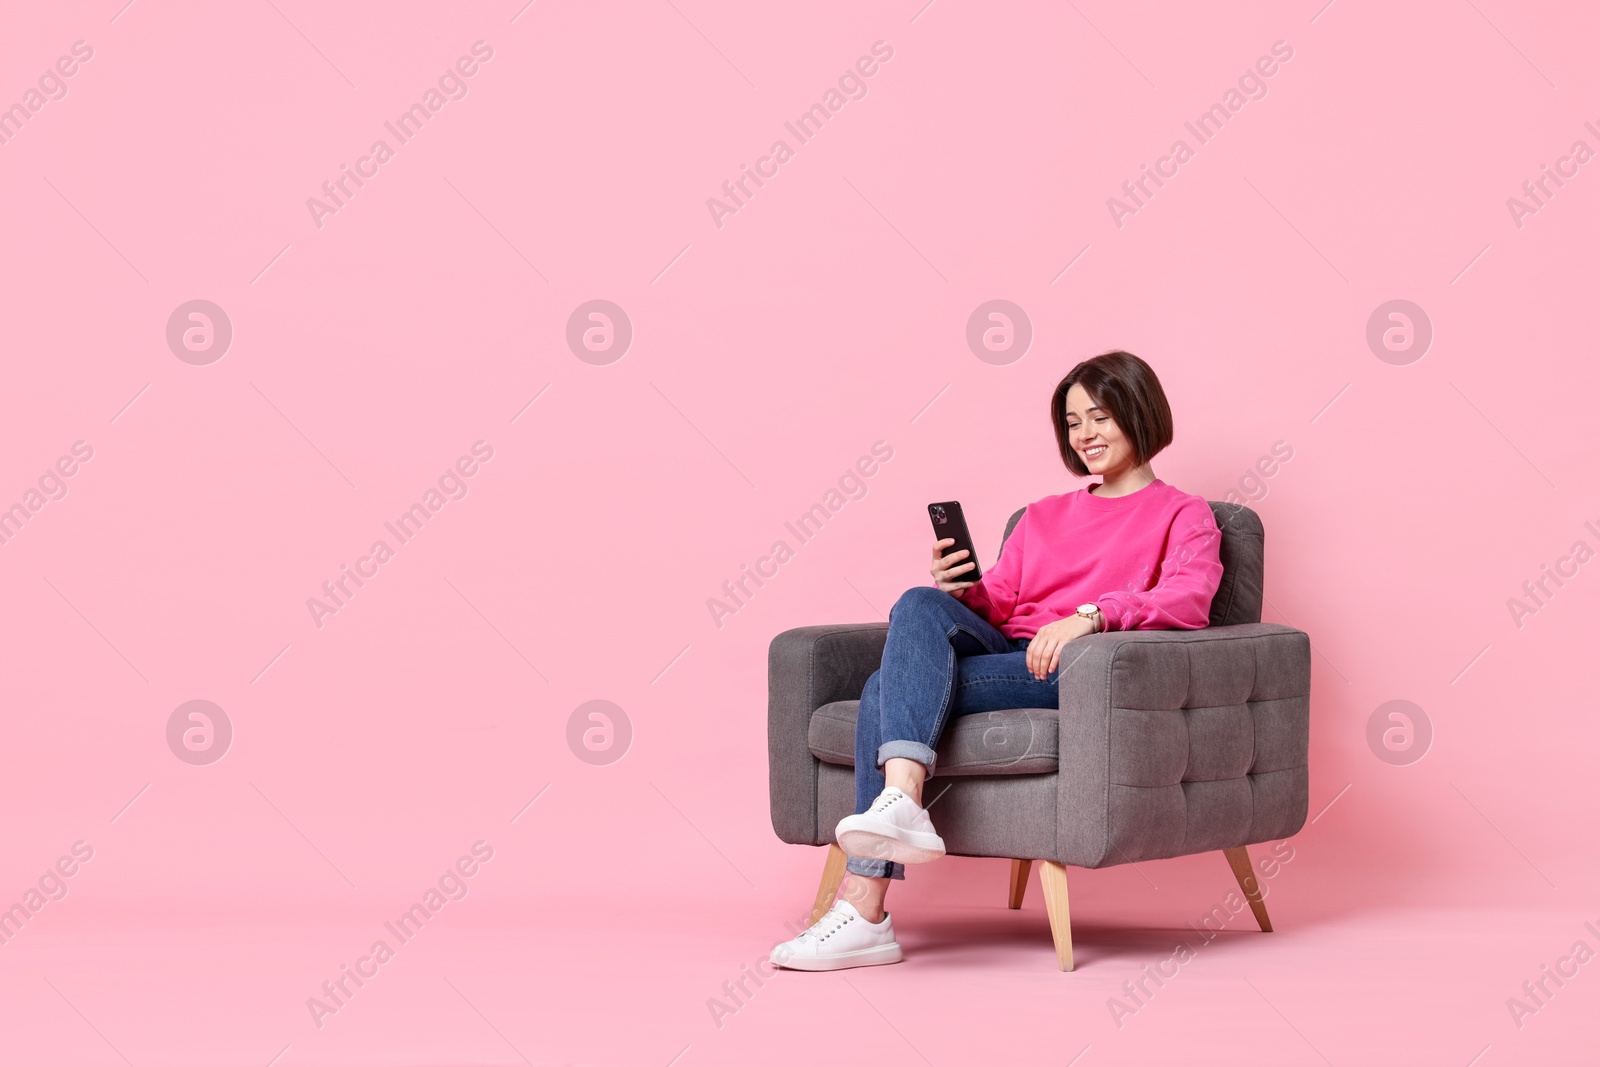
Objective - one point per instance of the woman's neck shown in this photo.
(1128, 481)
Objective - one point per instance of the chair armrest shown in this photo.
(1182, 741)
(808, 667)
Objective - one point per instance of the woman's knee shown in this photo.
(920, 597)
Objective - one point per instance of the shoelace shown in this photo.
(829, 924)
(885, 800)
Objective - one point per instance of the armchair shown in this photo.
(1165, 743)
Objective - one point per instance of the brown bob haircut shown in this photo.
(1124, 386)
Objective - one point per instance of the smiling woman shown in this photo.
(1128, 552)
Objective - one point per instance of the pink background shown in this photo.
(768, 354)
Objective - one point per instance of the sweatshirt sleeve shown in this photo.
(1189, 577)
(995, 595)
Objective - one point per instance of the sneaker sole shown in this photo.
(910, 847)
(862, 957)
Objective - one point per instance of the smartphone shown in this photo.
(948, 521)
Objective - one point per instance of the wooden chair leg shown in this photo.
(832, 876)
(1019, 882)
(1053, 880)
(1239, 860)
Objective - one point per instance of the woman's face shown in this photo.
(1094, 435)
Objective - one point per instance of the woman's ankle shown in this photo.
(907, 776)
(866, 895)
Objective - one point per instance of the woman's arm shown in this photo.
(1190, 575)
(995, 595)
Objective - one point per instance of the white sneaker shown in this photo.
(840, 939)
(893, 828)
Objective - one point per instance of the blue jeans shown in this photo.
(941, 659)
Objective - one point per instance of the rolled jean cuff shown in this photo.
(875, 868)
(912, 750)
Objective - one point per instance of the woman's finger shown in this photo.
(1047, 651)
(938, 567)
(947, 585)
(944, 575)
(1055, 651)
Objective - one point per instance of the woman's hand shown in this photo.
(1044, 651)
(945, 568)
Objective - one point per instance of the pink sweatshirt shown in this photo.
(1149, 559)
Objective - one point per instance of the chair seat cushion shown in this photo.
(1019, 741)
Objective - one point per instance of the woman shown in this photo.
(1128, 552)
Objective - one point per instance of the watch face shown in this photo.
(1087, 609)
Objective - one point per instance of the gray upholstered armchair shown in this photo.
(1166, 743)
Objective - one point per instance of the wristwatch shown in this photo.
(1093, 614)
